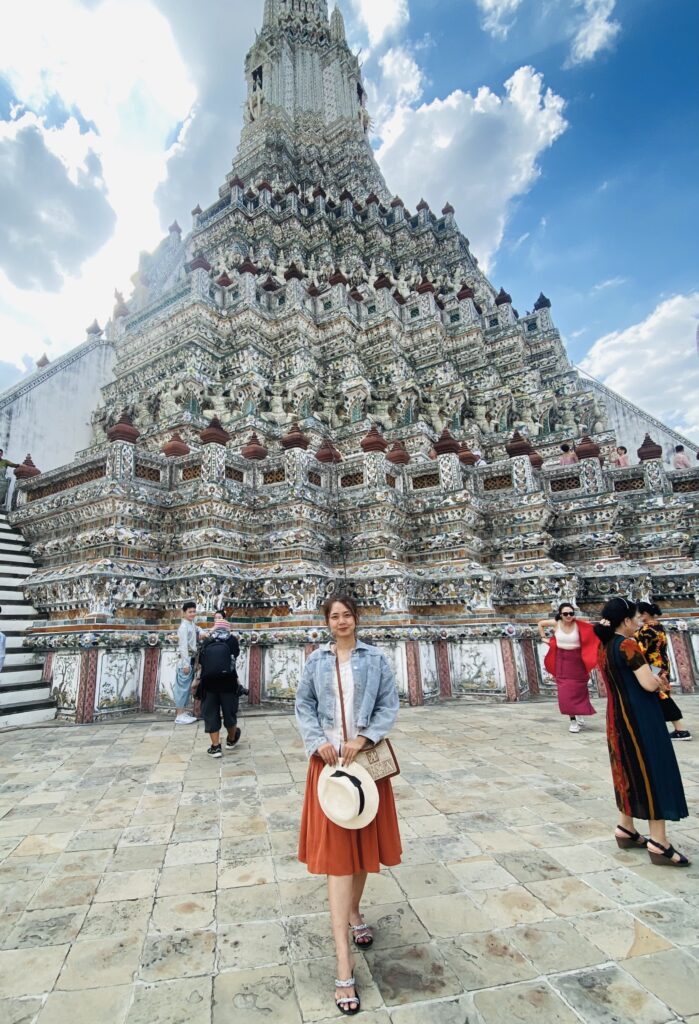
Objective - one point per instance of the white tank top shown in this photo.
(568, 641)
(334, 736)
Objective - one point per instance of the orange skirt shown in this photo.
(328, 849)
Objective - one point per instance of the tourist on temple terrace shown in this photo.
(652, 639)
(187, 639)
(218, 689)
(646, 778)
(567, 457)
(680, 460)
(620, 459)
(347, 701)
(571, 656)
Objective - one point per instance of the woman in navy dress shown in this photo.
(647, 780)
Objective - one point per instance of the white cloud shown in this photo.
(207, 142)
(596, 32)
(482, 154)
(611, 282)
(400, 84)
(55, 213)
(587, 24)
(654, 363)
(381, 18)
(499, 16)
(102, 83)
(519, 242)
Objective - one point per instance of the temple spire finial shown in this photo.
(337, 26)
(275, 10)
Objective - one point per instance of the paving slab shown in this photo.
(171, 893)
(523, 1004)
(672, 975)
(101, 1004)
(19, 1011)
(185, 1001)
(608, 995)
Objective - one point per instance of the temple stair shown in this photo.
(24, 698)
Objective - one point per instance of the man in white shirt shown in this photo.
(188, 637)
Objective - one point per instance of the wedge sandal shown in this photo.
(666, 858)
(630, 839)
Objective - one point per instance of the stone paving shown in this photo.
(142, 882)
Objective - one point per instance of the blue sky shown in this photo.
(565, 133)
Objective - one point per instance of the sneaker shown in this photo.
(581, 722)
(574, 727)
(185, 719)
(230, 743)
(215, 751)
(681, 734)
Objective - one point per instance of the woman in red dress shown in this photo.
(571, 656)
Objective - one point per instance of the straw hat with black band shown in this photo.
(348, 795)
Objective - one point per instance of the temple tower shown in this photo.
(305, 117)
(302, 382)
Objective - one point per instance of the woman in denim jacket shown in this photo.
(371, 708)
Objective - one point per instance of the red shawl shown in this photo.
(589, 646)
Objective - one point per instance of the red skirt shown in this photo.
(571, 681)
(328, 849)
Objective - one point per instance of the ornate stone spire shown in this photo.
(305, 118)
(337, 26)
(278, 11)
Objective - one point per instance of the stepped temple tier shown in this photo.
(302, 385)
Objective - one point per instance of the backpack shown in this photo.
(217, 656)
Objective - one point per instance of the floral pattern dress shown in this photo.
(653, 642)
(647, 781)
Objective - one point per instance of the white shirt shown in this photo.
(334, 736)
(187, 636)
(568, 641)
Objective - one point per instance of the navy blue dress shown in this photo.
(647, 780)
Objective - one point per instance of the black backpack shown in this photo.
(217, 656)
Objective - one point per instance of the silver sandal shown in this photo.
(344, 1004)
(362, 931)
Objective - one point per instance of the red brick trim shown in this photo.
(87, 688)
(508, 658)
(532, 665)
(441, 653)
(149, 683)
(415, 694)
(255, 674)
(47, 671)
(683, 660)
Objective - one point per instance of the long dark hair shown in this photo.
(565, 604)
(344, 599)
(613, 614)
(649, 608)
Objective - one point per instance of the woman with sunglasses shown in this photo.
(571, 656)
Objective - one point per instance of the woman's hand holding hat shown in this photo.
(351, 748)
(328, 753)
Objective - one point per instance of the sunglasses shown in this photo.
(568, 615)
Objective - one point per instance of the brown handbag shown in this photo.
(379, 759)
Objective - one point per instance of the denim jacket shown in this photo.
(375, 695)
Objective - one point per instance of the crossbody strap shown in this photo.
(342, 698)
